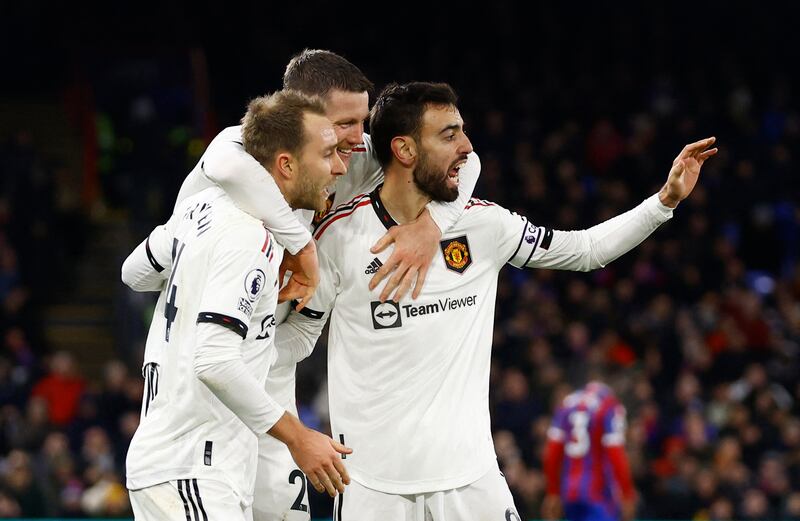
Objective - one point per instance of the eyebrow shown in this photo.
(454, 126)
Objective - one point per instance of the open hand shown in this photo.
(415, 244)
(685, 171)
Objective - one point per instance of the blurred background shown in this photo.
(576, 110)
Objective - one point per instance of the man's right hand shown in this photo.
(305, 275)
(319, 457)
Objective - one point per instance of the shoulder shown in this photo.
(231, 228)
(225, 146)
(477, 204)
(230, 134)
(343, 213)
(480, 213)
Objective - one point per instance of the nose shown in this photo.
(465, 147)
(355, 136)
(337, 165)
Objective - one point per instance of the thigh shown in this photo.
(187, 500)
(486, 499)
(281, 492)
(359, 503)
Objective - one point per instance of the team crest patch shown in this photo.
(318, 216)
(254, 283)
(457, 256)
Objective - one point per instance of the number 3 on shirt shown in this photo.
(579, 446)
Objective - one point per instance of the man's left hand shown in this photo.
(685, 171)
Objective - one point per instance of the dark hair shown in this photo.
(399, 109)
(316, 72)
(274, 123)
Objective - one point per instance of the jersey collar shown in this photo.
(380, 209)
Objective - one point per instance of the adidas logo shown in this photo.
(373, 267)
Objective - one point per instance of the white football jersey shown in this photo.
(409, 381)
(223, 270)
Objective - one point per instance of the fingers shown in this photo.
(290, 292)
(394, 282)
(696, 147)
(423, 272)
(316, 483)
(699, 145)
(305, 297)
(341, 449)
(405, 284)
(327, 484)
(342, 470)
(705, 155)
(336, 481)
(384, 271)
(382, 243)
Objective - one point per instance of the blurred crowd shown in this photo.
(698, 329)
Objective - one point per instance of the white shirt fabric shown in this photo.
(213, 341)
(409, 382)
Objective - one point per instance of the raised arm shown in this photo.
(585, 250)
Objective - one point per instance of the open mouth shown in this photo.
(454, 171)
(344, 153)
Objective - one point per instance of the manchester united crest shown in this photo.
(318, 216)
(457, 256)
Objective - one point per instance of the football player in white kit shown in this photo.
(194, 454)
(408, 380)
(280, 485)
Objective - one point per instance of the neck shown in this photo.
(400, 195)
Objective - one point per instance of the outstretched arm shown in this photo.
(585, 250)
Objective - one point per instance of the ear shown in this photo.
(404, 149)
(284, 165)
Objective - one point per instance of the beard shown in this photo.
(308, 193)
(432, 181)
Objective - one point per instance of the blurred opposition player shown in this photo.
(408, 381)
(588, 478)
(280, 485)
(194, 454)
